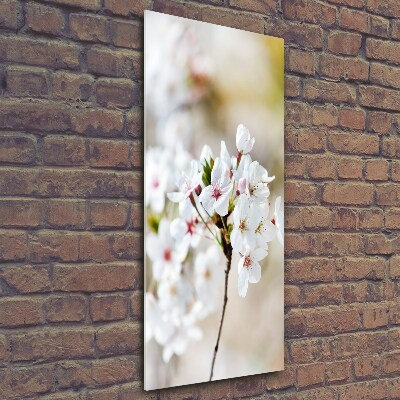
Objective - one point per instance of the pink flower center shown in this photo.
(216, 192)
(247, 262)
(156, 182)
(190, 227)
(167, 255)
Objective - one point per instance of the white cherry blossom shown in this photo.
(249, 269)
(265, 230)
(245, 222)
(215, 197)
(186, 183)
(166, 255)
(257, 181)
(244, 142)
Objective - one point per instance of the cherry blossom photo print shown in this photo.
(214, 222)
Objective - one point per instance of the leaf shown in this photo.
(154, 222)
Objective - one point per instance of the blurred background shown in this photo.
(201, 82)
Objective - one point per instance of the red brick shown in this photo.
(311, 374)
(388, 195)
(108, 308)
(301, 61)
(352, 118)
(13, 245)
(344, 43)
(99, 122)
(296, 113)
(305, 140)
(65, 309)
(391, 363)
(260, 6)
(300, 193)
(366, 390)
(349, 168)
(361, 343)
(328, 321)
(376, 170)
(137, 215)
(395, 29)
(349, 143)
(292, 86)
(21, 213)
(310, 270)
(390, 8)
(63, 150)
(391, 147)
(370, 219)
(337, 371)
(50, 344)
(311, 350)
(309, 11)
(321, 167)
(17, 148)
(26, 82)
(379, 122)
(367, 366)
(66, 213)
(38, 52)
(26, 278)
(322, 295)
(347, 193)
(69, 86)
(381, 244)
(95, 278)
(351, 3)
(325, 115)
(88, 27)
(315, 217)
(309, 36)
(49, 246)
(385, 75)
(344, 218)
(11, 14)
(115, 63)
(108, 214)
(338, 244)
(379, 26)
(382, 50)
(332, 92)
(107, 153)
(134, 123)
(395, 175)
(126, 34)
(93, 5)
(354, 20)
(41, 18)
(392, 218)
(17, 312)
(127, 7)
(117, 93)
(295, 166)
(136, 305)
(336, 67)
(119, 338)
(375, 316)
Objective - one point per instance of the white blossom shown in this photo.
(245, 222)
(215, 197)
(249, 269)
(166, 255)
(244, 142)
(257, 181)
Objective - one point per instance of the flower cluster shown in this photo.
(219, 203)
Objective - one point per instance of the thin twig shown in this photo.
(205, 223)
(228, 253)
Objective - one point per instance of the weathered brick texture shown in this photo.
(71, 131)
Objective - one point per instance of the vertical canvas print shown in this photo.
(214, 243)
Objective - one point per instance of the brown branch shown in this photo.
(228, 253)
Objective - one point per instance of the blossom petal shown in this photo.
(176, 197)
(243, 282)
(236, 240)
(206, 199)
(259, 253)
(254, 272)
(221, 205)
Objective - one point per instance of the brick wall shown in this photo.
(71, 186)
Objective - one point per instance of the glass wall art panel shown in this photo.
(213, 176)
